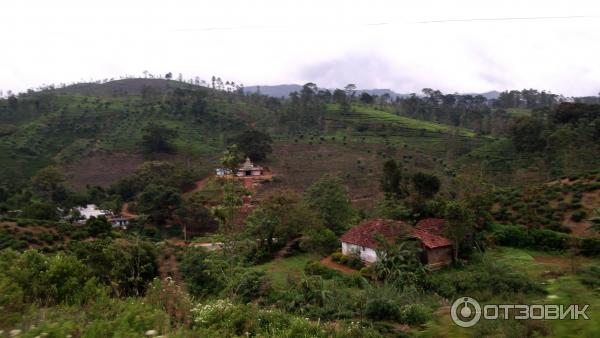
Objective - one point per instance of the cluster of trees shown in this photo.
(46, 196)
(412, 197)
(315, 219)
(155, 193)
(527, 98)
(77, 275)
(566, 126)
(461, 110)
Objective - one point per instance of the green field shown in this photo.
(517, 112)
(561, 285)
(371, 115)
(281, 270)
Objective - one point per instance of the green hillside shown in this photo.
(362, 114)
(83, 126)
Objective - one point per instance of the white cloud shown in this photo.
(403, 45)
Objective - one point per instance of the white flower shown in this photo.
(151, 333)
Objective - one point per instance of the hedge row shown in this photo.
(543, 239)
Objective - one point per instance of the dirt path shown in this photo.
(342, 268)
(125, 211)
(199, 186)
(285, 251)
(168, 267)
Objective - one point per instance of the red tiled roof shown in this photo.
(431, 241)
(431, 225)
(365, 234)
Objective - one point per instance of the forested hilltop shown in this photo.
(521, 136)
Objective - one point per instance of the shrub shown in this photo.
(382, 309)
(171, 297)
(248, 286)
(366, 272)
(11, 295)
(322, 241)
(80, 234)
(415, 314)
(316, 268)
(354, 262)
(47, 237)
(337, 257)
(485, 280)
(521, 237)
(590, 246)
(590, 276)
(578, 215)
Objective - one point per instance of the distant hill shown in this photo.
(491, 95)
(120, 87)
(134, 87)
(284, 90)
(276, 91)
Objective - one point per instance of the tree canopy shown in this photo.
(254, 144)
(331, 200)
(157, 139)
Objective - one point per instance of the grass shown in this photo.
(565, 289)
(79, 126)
(282, 269)
(371, 115)
(518, 112)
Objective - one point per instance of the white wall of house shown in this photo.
(366, 254)
(91, 210)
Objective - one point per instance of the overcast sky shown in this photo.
(464, 46)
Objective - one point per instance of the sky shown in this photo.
(455, 46)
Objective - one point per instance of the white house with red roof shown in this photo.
(363, 239)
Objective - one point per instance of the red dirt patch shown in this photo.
(591, 199)
(579, 228)
(125, 211)
(560, 261)
(101, 169)
(199, 186)
(336, 266)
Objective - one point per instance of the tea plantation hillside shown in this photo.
(95, 131)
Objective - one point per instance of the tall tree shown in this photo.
(254, 144)
(194, 217)
(330, 199)
(49, 183)
(527, 134)
(391, 183)
(426, 185)
(157, 139)
(282, 215)
(158, 202)
(231, 158)
(460, 223)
